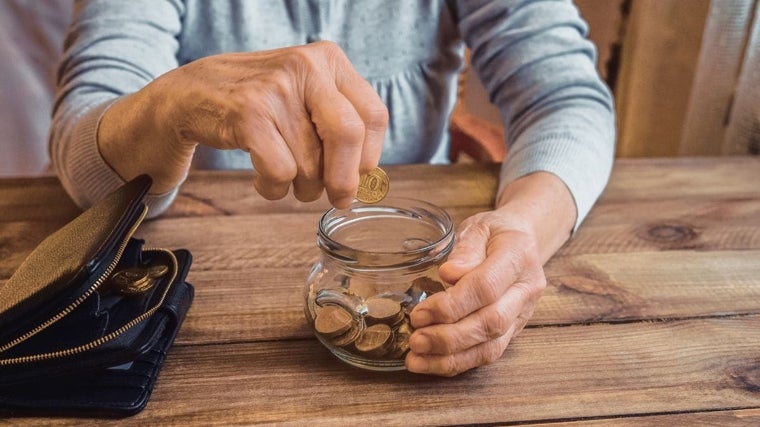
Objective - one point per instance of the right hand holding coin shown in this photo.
(303, 113)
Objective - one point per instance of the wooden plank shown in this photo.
(249, 280)
(737, 418)
(649, 285)
(226, 193)
(35, 198)
(658, 62)
(249, 302)
(651, 225)
(639, 368)
(683, 178)
(720, 58)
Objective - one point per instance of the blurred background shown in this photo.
(685, 75)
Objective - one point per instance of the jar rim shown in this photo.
(402, 207)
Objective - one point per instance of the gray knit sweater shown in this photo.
(532, 56)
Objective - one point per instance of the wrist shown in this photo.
(133, 138)
(541, 205)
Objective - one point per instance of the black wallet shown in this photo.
(87, 319)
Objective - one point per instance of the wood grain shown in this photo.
(603, 370)
(660, 51)
(650, 315)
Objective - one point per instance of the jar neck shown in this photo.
(397, 234)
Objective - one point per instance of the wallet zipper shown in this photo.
(95, 343)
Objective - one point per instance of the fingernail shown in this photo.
(420, 344)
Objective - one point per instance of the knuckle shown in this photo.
(447, 308)
(282, 175)
(487, 287)
(377, 117)
(309, 171)
(450, 343)
(496, 323)
(328, 48)
(350, 130)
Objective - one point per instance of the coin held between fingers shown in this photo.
(373, 186)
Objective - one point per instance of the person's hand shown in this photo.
(304, 114)
(497, 278)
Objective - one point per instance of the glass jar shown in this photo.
(378, 261)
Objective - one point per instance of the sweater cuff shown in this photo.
(94, 177)
(564, 157)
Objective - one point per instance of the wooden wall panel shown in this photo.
(659, 56)
(712, 94)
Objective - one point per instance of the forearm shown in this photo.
(557, 112)
(107, 55)
(541, 205)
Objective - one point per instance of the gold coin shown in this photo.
(373, 186)
(132, 281)
(156, 271)
(128, 276)
(137, 288)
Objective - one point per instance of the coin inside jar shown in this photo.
(373, 186)
(377, 262)
(332, 321)
(384, 310)
(375, 341)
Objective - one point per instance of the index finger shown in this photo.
(373, 113)
(341, 130)
(482, 286)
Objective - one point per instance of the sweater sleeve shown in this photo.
(112, 49)
(539, 69)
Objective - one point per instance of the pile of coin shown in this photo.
(374, 327)
(373, 186)
(136, 280)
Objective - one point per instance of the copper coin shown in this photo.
(383, 310)
(428, 285)
(348, 337)
(332, 321)
(375, 341)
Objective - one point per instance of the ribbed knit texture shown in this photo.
(532, 56)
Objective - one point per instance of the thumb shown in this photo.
(469, 251)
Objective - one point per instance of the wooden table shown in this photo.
(651, 316)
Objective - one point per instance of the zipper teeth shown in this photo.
(104, 339)
(87, 293)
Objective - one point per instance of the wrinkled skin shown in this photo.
(310, 121)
